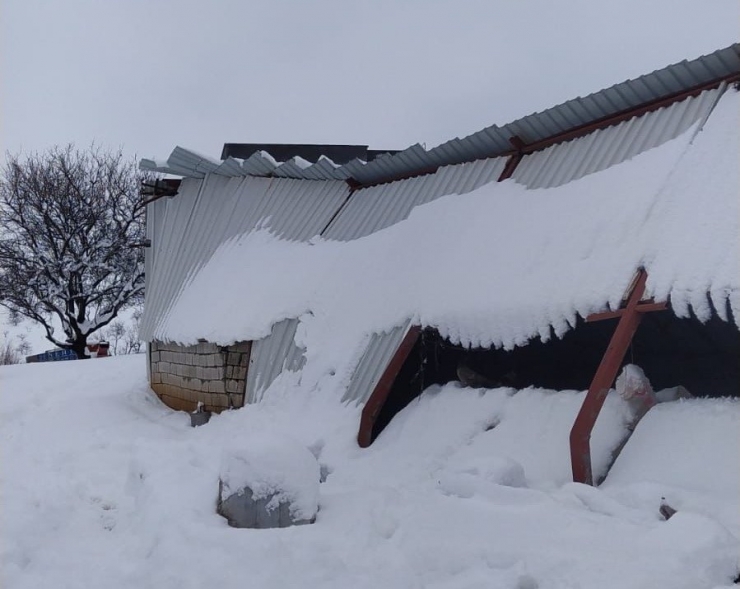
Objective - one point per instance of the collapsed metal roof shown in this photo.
(685, 76)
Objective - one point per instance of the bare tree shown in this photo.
(71, 231)
(12, 352)
(132, 341)
(115, 332)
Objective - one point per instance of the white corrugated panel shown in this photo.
(373, 362)
(565, 162)
(166, 244)
(270, 356)
(377, 207)
(206, 213)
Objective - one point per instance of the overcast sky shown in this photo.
(150, 74)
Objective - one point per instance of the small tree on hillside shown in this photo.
(71, 236)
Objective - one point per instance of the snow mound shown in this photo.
(691, 443)
(687, 451)
(496, 432)
(476, 475)
(274, 467)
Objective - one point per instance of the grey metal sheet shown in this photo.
(380, 349)
(374, 208)
(604, 148)
(494, 140)
(209, 212)
(155, 212)
(271, 356)
(165, 252)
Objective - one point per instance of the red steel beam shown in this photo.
(619, 117)
(642, 307)
(580, 434)
(582, 130)
(513, 160)
(379, 395)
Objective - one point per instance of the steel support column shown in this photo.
(629, 319)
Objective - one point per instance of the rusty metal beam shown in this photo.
(379, 395)
(616, 118)
(580, 434)
(642, 307)
(510, 166)
(607, 121)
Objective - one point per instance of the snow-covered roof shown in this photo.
(487, 263)
(575, 114)
(503, 263)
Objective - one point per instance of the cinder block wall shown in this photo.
(214, 375)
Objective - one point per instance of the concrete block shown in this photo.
(240, 372)
(241, 347)
(221, 401)
(232, 386)
(154, 357)
(207, 348)
(156, 378)
(216, 386)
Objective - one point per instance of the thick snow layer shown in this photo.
(103, 487)
(273, 466)
(500, 265)
(530, 427)
(700, 435)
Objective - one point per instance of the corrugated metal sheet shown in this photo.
(155, 212)
(270, 356)
(165, 253)
(378, 353)
(490, 142)
(192, 228)
(374, 208)
(604, 148)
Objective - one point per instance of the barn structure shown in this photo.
(604, 207)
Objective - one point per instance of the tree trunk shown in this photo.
(78, 347)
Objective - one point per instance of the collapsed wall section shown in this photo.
(183, 376)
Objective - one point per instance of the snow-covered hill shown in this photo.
(102, 486)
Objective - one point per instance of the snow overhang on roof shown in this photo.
(569, 117)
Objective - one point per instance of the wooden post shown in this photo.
(629, 319)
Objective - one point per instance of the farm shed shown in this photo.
(349, 277)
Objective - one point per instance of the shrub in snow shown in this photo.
(273, 482)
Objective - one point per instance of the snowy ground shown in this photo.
(102, 486)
